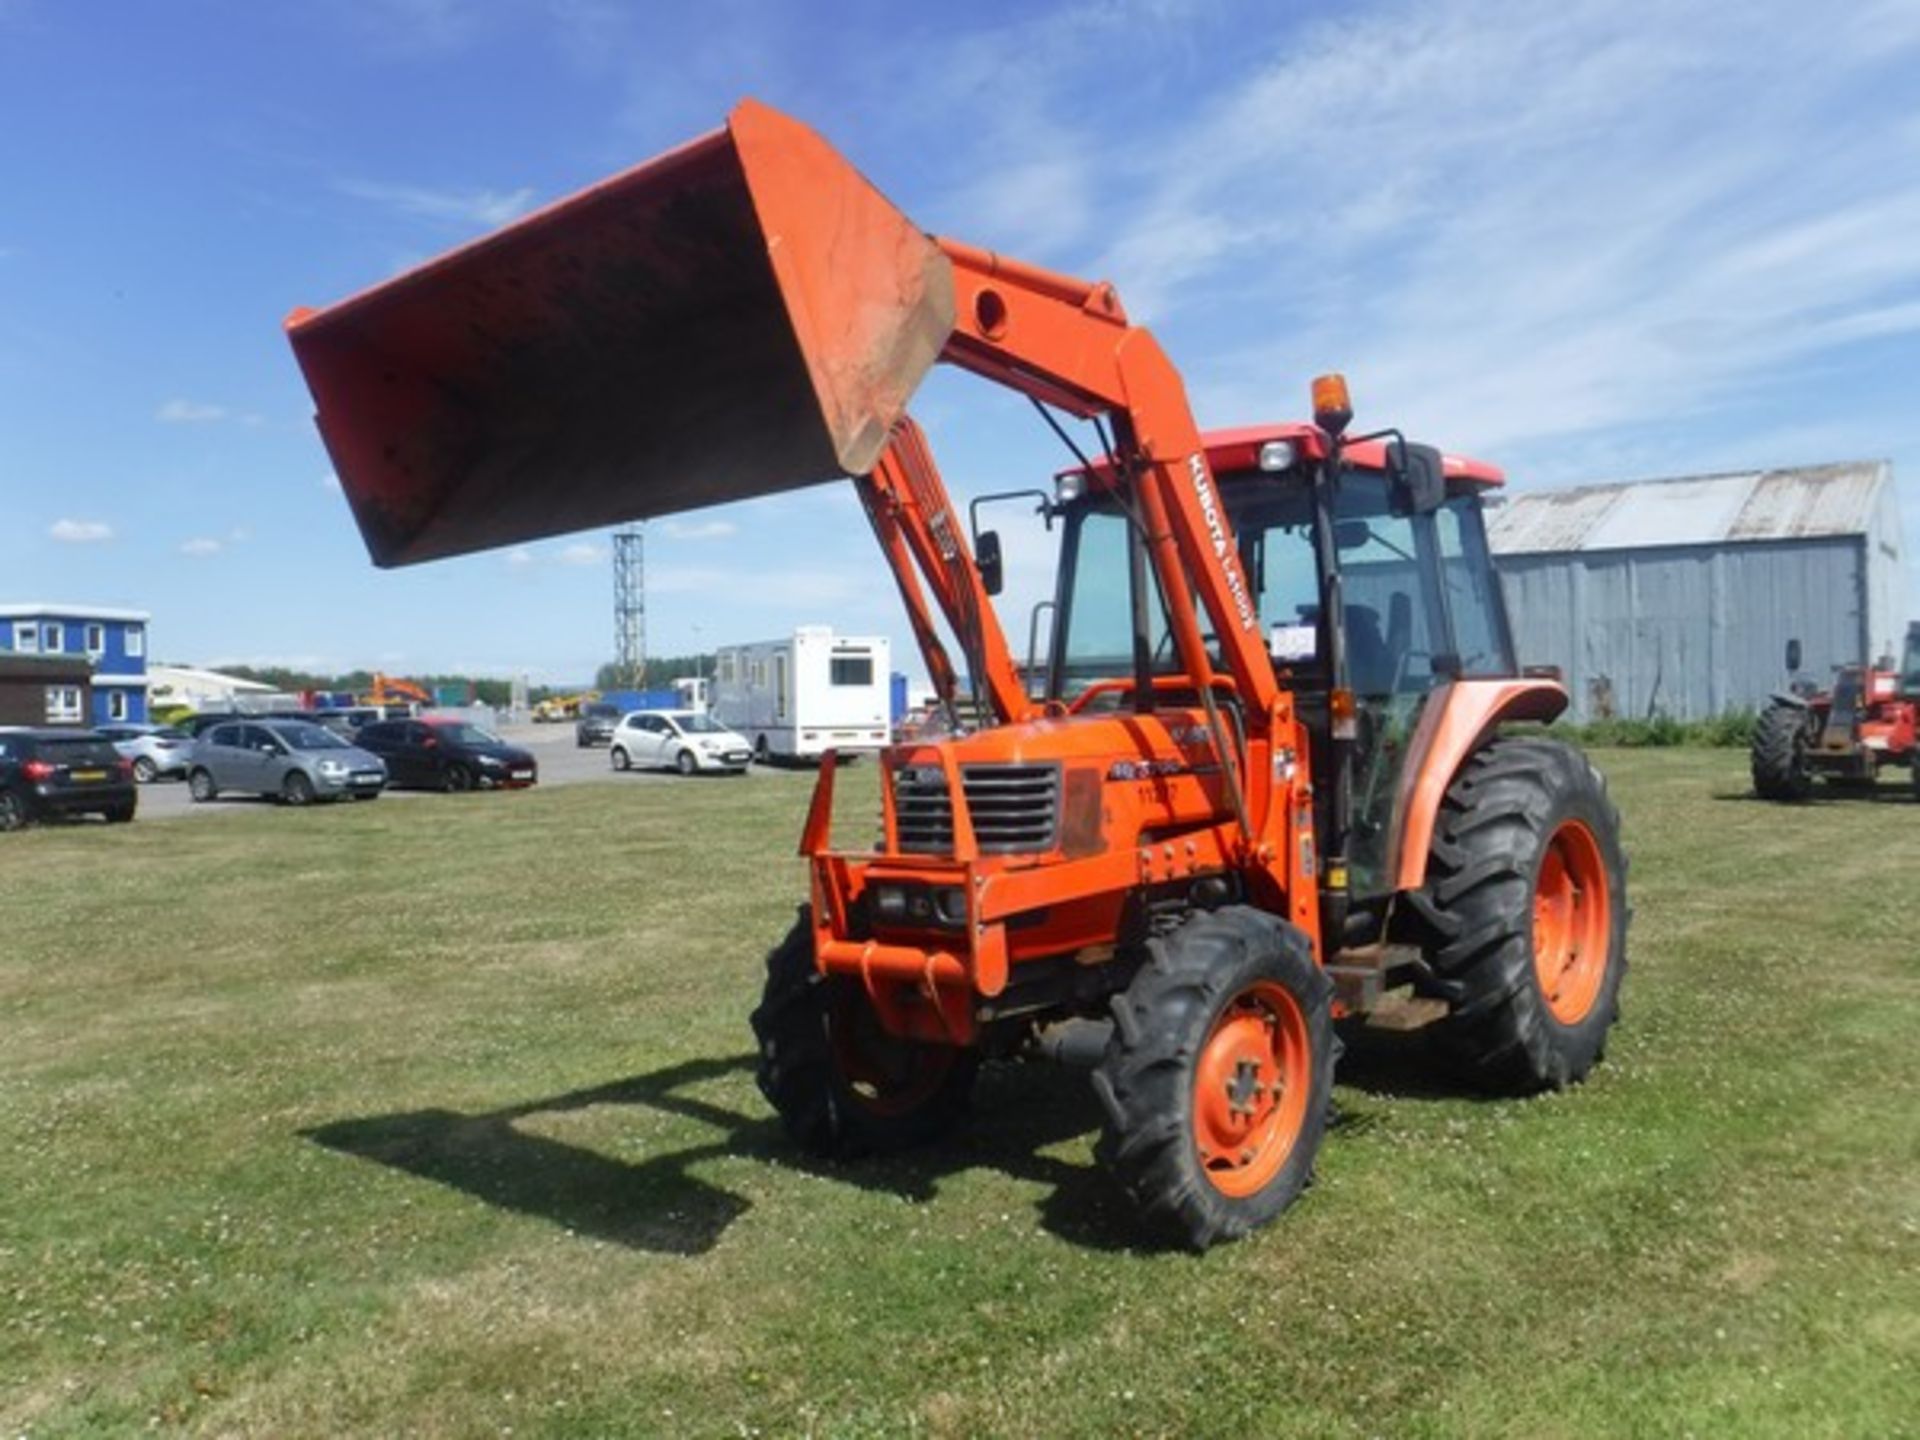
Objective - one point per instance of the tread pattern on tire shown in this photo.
(1778, 735)
(1145, 1084)
(800, 1079)
(1494, 824)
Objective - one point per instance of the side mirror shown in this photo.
(1418, 475)
(1793, 655)
(986, 556)
(1351, 534)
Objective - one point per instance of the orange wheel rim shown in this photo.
(1250, 1089)
(1572, 922)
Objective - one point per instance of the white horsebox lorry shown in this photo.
(799, 697)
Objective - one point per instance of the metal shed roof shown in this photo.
(1753, 505)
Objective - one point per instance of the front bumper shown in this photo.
(354, 782)
(509, 777)
(84, 799)
(733, 759)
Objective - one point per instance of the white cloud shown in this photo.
(201, 545)
(582, 552)
(698, 529)
(189, 412)
(519, 558)
(330, 481)
(80, 532)
(797, 588)
(1656, 233)
(475, 208)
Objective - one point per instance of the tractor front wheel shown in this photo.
(842, 1085)
(1219, 1075)
(1526, 900)
(1780, 769)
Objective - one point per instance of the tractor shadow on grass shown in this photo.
(658, 1203)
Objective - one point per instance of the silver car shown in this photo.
(155, 750)
(294, 761)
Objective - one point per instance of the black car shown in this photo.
(62, 772)
(447, 755)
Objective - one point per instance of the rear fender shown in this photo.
(1456, 719)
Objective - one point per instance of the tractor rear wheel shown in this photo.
(1780, 769)
(1526, 900)
(842, 1085)
(1219, 1075)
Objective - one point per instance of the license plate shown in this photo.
(86, 775)
(523, 774)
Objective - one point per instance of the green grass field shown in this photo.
(438, 1118)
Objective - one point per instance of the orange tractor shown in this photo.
(1261, 779)
(1869, 720)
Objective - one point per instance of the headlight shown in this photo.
(492, 762)
(333, 767)
(1277, 455)
(945, 907)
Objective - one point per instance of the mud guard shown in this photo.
(1455, 719)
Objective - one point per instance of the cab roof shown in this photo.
(1238, 448)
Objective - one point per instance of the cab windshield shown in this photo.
(1420, 603)
(468, 735)
(309, 737)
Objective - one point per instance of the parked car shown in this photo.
(155, 750)
(62, 772)
(596, 724)
(294, 761)
(683, 740)
(448, 755)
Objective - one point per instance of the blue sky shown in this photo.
(1587, 241)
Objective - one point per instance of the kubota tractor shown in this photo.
(1261, 779)
(1869, 719)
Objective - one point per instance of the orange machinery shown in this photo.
(1261, 780)
(388, 691)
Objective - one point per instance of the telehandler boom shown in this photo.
(1262, 779)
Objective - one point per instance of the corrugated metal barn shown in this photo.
(1678, 597)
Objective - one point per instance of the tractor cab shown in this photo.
(1419, 604)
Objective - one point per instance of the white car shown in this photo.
(155, 750)
(683, 740)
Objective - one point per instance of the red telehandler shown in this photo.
(1261, 779)
(1868, 720)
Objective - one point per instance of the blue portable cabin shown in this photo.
(114, 642)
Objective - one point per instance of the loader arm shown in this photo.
(743, 315)
(912, 516)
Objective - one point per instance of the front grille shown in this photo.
(1015, 809)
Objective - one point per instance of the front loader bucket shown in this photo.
(742, 315)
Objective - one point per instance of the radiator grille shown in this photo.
(1015, 809)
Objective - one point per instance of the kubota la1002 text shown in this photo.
(1262, 778)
